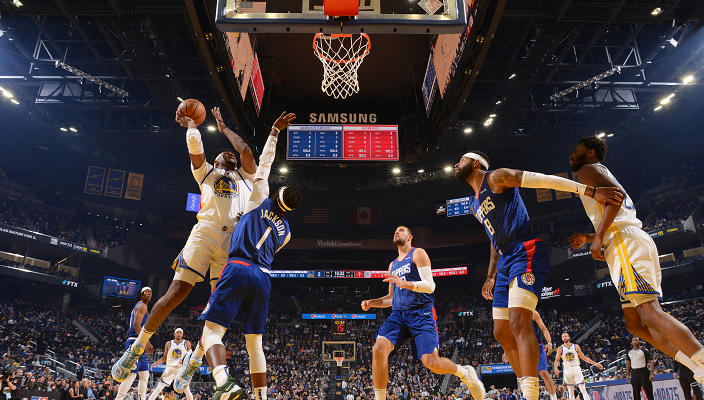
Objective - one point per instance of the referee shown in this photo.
(640, 370)
(689, 385)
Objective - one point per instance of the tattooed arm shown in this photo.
(504, 178)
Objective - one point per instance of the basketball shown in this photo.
(193, 109)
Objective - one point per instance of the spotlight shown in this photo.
(513, 76)
(64, 129)
(656, 11)
(499, 102)
(487, 123)
(284, 170)
(468, 130)
(72, 129)
(17, 3)
(610, 135)
(179, 99)
(7, 94)
(492, 115)
(688, 79)
(657, 108)
(601, 135)
(396, 170)
(448, 169)
(420, 171)
(665, 101)
(2, 89)
(671, 95)
(14, 101)
(211, 128)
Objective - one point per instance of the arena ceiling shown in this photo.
(521, 52)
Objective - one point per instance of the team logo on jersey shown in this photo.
(569, 357)
(528, 278)
(176, 353)
(225, 187)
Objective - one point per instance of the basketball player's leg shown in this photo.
(254, 312)
(142, 385)
(157, 391)
(543, 371)
(166, 379)
(125, 386)
(393, 331)
(502, 329)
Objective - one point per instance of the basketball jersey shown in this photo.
(625, 218)
(406, 299)
(570, 358)
(132, 332)
(176, 351)
(260, 234)
(503, 215)
(222, 194)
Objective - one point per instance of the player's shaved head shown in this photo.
(227, 161)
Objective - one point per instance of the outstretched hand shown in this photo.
(284, 120)
(185, 121)
(610, 195)
(218, 118)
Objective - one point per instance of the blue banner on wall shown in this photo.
(496, 369)
(116, 180)
(338, 316)
(94, 180)
(193, 202)
(429, 86)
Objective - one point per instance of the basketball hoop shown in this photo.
(339, 360)
(341, 56)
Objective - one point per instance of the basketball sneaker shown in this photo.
(475, 386)
(123, 367)
(228, 391)
(185, 374)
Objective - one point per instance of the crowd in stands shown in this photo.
(561, 237)
(52, 270)
(45, 190)
(672, 212)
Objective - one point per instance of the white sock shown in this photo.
(143, 338)
(687, 362)
(553, 396)
(220, 374)
(583, 389)
(461, 372)
(198, 353)
(189, 395)
(698, 358)
(157, 391)
(530, 387)
(125, 386)
(260, 393)
(379, 394)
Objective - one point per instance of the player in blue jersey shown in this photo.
(413, 317)
(519, 260)
(539, 326)
(244, 286)
(139, 316)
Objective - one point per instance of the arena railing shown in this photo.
(585, 330)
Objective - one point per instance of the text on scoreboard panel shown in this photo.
(342, 142)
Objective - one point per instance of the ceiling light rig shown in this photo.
(586, 83)
(91, 78)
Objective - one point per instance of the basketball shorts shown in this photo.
(169, 375)
(542, 359)
(572, 375)
(634, 266)
(242, 292)
(207, 248)
(527, 262)
(419, 324)
(142, 364)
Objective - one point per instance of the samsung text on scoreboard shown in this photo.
(342, 142)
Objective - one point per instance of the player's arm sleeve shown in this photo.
(260, 191)
(536, 180)
(426, 283)
(200, 173)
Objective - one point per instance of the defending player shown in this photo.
(633, 261)
(571, 371)
(245, 284)
(539, 326)
(519, 260)
(411, 299)
(174, 351)
(225, 190)
(139, 315)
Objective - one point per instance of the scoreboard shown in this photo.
(342, 142)
(457, 207)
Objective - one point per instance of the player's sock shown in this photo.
(220, 374)
(198, 353)
(698, 358)
(143, 338)
(531, 390)
(553, 396)
(260, 393)
(461, 372)
(687, 362)
(379, 394)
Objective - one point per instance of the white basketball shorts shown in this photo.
(634, 266)
(169, 375)
(207, 248)
(572, 375)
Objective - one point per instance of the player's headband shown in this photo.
(282, 204)
(143, 289)
(477, 157)
(178, 330)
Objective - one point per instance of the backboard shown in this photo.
(375, 16)
(332, 348)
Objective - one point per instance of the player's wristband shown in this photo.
(276, 129)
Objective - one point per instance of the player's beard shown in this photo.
(579, 162)
(463, 174)
(399, 242)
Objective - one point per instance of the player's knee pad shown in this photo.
(519, 297)
(257, 360)
(212, 334)
(500, 313)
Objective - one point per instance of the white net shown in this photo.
(341, 56)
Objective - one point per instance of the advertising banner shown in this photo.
(664, 388)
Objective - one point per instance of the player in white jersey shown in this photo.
(633, 261)
(174, 351)
(225, 190)
(570, 354)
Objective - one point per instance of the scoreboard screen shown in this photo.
(339, 327)
(342, 142)
(457, 207)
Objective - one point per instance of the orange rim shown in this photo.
(315, 48)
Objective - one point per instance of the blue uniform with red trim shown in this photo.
(412, 314)
(522, 256)
(244, 287)
(542, 357)
(142, 363)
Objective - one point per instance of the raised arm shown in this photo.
(246, 156)
(381, 302)
(193, 140)
(487, 289)
(585, 358)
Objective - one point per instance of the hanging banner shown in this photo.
(116, 179)
(134, 186)
(257, 85)
(543, 195)
(94, 181)
(429, 86)
(563, 195)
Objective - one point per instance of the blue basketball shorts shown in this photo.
(528, 262)
(542, 359)
(142, 364)
(242, 293)
(419, 324)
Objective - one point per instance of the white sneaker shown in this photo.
(475, 386)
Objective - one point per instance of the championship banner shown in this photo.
(94, 181)
(134, 186)
(116, 180)
(543, 195)
(665, 387)
(563, 195)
